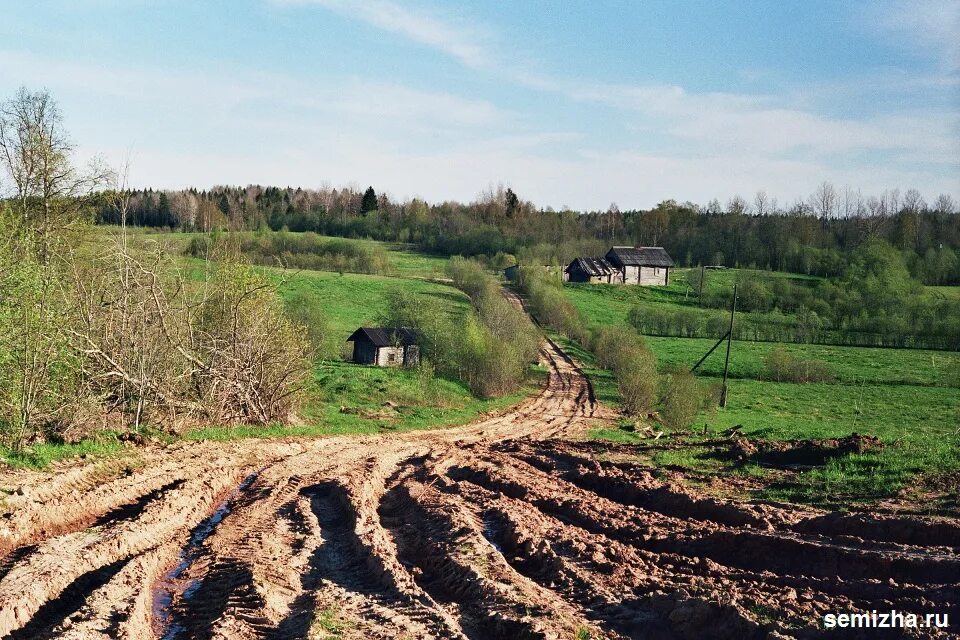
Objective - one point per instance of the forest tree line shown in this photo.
(812, 236)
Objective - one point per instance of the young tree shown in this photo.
(36, 152)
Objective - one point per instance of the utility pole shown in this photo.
(726, 364)
(703, 271)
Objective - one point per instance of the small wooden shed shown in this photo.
(385, 346)
(590, 270)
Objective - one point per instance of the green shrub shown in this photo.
(490, 348)
(635, 368)
(782, 366)
(682, 398)
(549, 305)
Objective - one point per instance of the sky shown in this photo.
(574, 104)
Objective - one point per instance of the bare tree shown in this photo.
(824, 200)
(944, 204)
(761, 203)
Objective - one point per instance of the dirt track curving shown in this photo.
(499, 529)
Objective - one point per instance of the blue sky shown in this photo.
(572, 103)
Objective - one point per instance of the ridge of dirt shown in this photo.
(503, 528)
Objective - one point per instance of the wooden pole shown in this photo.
(707, 355)
(726, 364)
(703, 271)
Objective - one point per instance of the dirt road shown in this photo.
(499, 529)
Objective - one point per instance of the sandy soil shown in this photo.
(505, 528)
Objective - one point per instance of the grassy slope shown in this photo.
(350, 300)
(345, 301)
(403, 259)
(895, 394)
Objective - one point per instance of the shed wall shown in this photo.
(364, 352)
(653, 276)
(389, 356)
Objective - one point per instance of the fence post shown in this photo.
(726, 364)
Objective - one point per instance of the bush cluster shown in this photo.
(297, 250)
(110, 336)
(544, 292)
(782, 366)
(490, 348)
(633, 364)
(873, 301)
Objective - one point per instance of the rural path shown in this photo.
(503, 528)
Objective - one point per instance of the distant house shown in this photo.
(385, 346)
(591, 270)
(641, 265)
(648, 266)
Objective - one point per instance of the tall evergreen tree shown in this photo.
(369, 202)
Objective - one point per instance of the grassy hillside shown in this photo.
(341, 397)
(612, 303)
(402, 260)
(346, 301)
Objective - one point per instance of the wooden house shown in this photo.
(649, 266)
(385, 346)
(590, 270)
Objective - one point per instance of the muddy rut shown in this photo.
(505, 528)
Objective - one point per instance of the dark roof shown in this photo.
(591, 266)
(639, 256)
(386, 336)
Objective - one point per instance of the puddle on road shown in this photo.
(163, 594)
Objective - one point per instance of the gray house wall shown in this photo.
(393, 356)
(654, 276)
(389, 356)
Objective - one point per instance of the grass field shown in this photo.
(849, 365)
(952, 293)
(606, 304)
(907, 398)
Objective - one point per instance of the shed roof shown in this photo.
(639, 256)
(386, 336)
(591, 266)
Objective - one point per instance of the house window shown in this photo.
(391, 357)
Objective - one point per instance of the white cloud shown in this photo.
(713, 120)
(922, 25)
(456, 39)
(230, 93)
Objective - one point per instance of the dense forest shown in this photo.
(812, 236)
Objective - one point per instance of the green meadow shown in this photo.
(908, 398)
